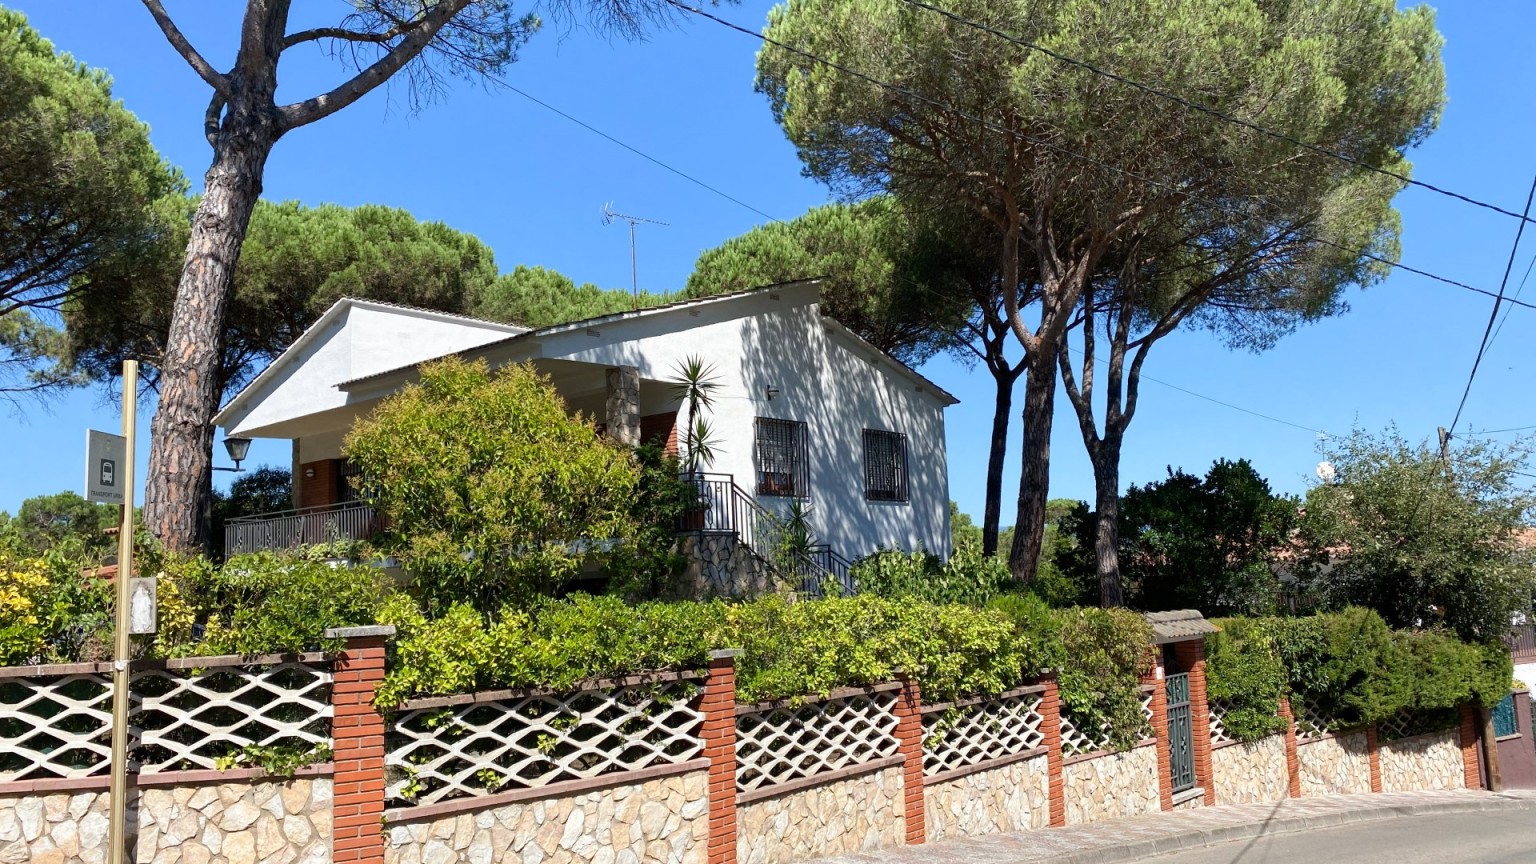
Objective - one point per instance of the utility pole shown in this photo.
(609, 216)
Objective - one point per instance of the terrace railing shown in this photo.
(291, 529)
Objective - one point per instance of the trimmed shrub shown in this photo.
(968, 577)
(1244, 671)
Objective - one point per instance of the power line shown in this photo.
(1213, 112)
(1494, 315)
(642, 154)
(1518, 290)
(1065, 151)
(1490, 432)
(1145, 377)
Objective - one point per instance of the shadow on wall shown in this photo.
(839, 393)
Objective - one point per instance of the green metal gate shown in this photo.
(1181, 738)
(1504, 719)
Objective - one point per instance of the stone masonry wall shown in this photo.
(1339, 765)
(1251, 773)
(858, 814)
(661, 821)
(1113, 786)
(1430, 761)
(719, 565)
(226, 823)
(1014, 797)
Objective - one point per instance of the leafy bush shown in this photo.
(52, 608)
(263, 603)
(492, 493)
(1107, 650)
(1243, 669)
(646, 567)
(790, 649)
(968, 577)
(1351, 665)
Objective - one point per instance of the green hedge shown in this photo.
(1348, 663)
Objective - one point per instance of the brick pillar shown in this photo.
(1050, 725)
(719, 707)
(357, 732)
(1471, 765)
(1154, 677)
(1292, 758)
(623, 405)
(909, 731)
(1373, 754)
(1191, 656)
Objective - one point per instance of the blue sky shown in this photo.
(531, 184)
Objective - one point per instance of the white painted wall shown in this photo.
(1526, 672)
(838, 392)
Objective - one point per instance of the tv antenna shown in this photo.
(609, 217)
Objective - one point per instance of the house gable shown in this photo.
(353, 338)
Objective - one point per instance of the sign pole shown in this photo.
(118, 847)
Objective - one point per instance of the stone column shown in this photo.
(1050, 725)
(719, 707)
(1373, 756)
(909, 731)
(1154, 676)
(1191, 656)
(1292, 757)
(623, 407)
(1471, 767)
(357, 734)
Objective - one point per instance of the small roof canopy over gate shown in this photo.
(1178, 625)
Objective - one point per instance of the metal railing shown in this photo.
(291, 529)
(725, 508)
(1522, 641)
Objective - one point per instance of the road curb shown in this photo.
(1201, 838)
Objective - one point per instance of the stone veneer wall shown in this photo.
(1112, 786)
(719, 565)
(1015, 797)
(1430, 761)
(1251, 773)
(1339, 765)
(857, 814)
(215, 823)
(656, 821)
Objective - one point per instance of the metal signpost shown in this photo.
(109, 479)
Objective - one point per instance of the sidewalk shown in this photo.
(1131, 839)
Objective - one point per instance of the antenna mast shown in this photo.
(609, 217)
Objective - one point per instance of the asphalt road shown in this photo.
(1507, 837)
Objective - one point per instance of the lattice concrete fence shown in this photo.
(652, 768)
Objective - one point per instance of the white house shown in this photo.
(805, 409)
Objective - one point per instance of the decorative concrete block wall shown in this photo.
(1013, 797)
(1431, 761)
(1334, 765)
(654, 821)
(240, 822)
(1111, 786)
(1251, 773)
(854, 814)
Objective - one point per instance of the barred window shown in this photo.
(885, 466)
(783, 464)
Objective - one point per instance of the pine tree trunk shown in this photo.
(1106, 489)
(178, 494)
(992, 513)
(1035, 479)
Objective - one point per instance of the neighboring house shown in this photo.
(805, 410)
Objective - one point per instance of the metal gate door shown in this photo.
(1180, 733)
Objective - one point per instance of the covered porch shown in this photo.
(326, 505)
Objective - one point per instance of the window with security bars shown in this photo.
(885, 466)
(783, 463)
